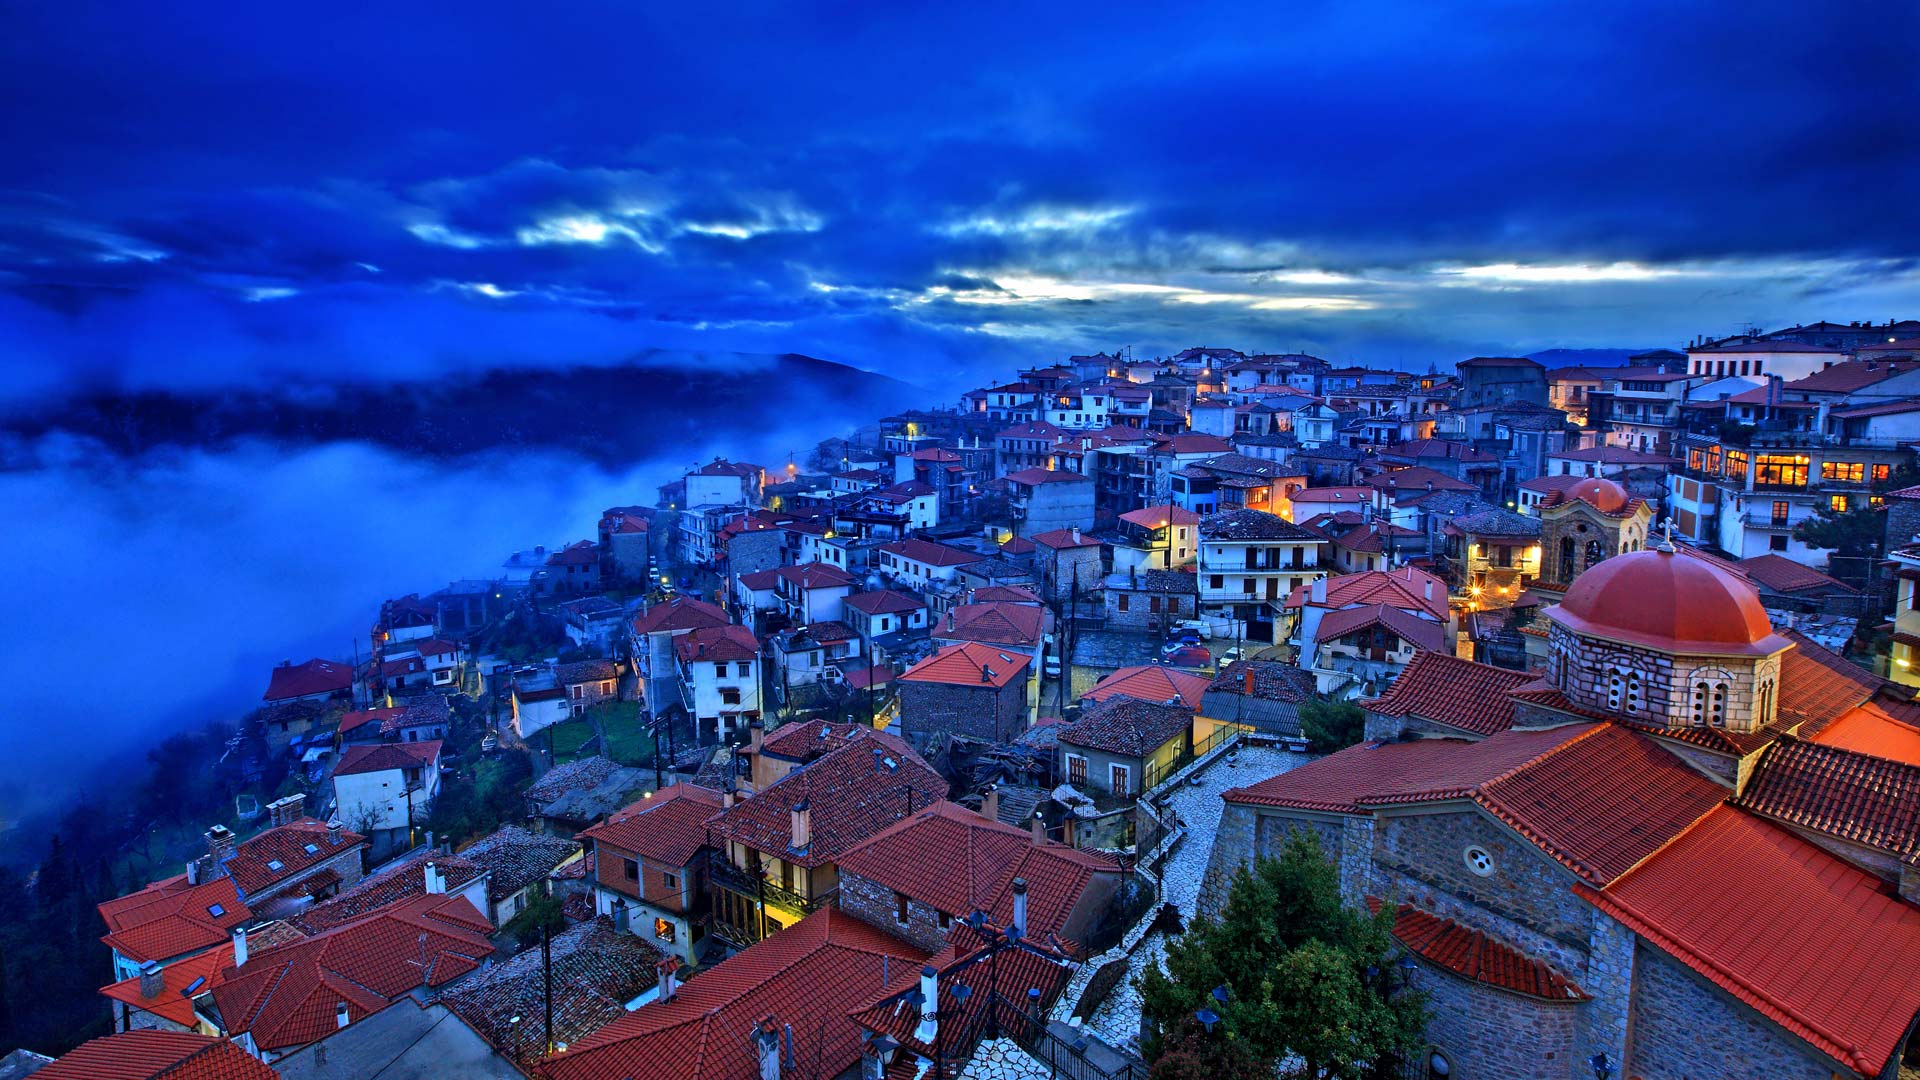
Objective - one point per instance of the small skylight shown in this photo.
(313, 849)
(217, 910)
(276, 864)
(194, 987)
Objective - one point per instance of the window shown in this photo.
(729, 695)
(671, 881)
(1153, 605)
(1594, 553)
(630, 869)
(1076, 770)
(1882, 472)
(1780, 510)
(1616, 688)
(1776, 543)
(276, 864)
(1123, 601)
(1479, 860)
(663, 930)
(899, 907)
(1737, 464)
(1780, 470)
(1837, 503)
(1633, 692)
(1851, 472)
(1120, 779)
(1710, 461)
(1216, 582)
(216, 910)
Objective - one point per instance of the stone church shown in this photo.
(1592, 520)
(1691, 844)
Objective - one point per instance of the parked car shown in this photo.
(1198, 628)
(1189, 656)
(1235, 653)
(1051, 666)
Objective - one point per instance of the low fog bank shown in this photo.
(154, 594)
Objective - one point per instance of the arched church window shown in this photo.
(1567, 565)
(1765, 704)
(1616, 688)
(1633, 692)
(1594, 554)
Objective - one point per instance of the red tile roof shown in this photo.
(1782, 574)
(1405, 587)
(993, 624)
(760, 580)
(679, 613)
(252, 865)
(1817, 687)
(1128, 727)
(1065, 539)
(808, 976)
(383, 756)
(1847, 376)
(958, 862)
(579, 553)
(1151, 682)
(312, 677)
(173, 1002)
(1421, 633)
(1860, 798)
(668, 829)
(1159, 517)
(1005, 594)
(1446, 690)
(884, 602)
(1416, 478)
(1031, 477)
(969, 664)
(157, 1055)
(717, 643)
(808, 740)
(851, 793)
(288, 996)
(926, 551)
(395, 882)
(816, 575)
(171, 918)
(1472, 955)
(1813, 943)
(1016, 545)
(352, 721)
(1870, 729)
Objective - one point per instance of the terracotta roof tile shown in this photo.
(1870, 729)
(816, 575)
(294, 847)
(515, 858)
(1820, 947)
(1405, 587)
(1866, 800)
(851, 794)
(717, 643)
(669, 828)
(1446, 690)
(289, 996)
(808, 975)
(170, 918)
(312, 677)
(1005, 594)
(958, 862)
(1782, 574)
(1471, 954)
(930, 553)
(1127, 726)
(400, 881)
(1065, 539)
(383, 756)
(596, 970)
(969, 663)
(679, 613)
(1423, 634)
(1017, 625)
(157, 1055)
(201, 973)
(885, 601)
(1151, 682)
(1817, 687)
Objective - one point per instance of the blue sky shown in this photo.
(205, 194)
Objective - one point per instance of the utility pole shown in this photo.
(546, 963)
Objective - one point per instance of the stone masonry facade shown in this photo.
(1504, 1036)
(1683, 1026)
(980, 712)
(1658, 686)
(879, 907)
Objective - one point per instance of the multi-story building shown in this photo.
(654, 631)
(779, 847)
(1249, 563)
(1043, 500)
(719, 680)
(1641, 409)
(1156, 538)
(972, 690)
(649, 868)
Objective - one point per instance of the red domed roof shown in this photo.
(1671, 603)
(1604, 495)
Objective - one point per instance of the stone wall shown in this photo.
(1608, 981)
(877, 906)
(927, 708)
(1684, 1026)
(1581, 666)
(1140, 616)
(1525, 901)
(1491, 1034)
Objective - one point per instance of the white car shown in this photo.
(1051, 668)
(1230, 656)
(1199, 627)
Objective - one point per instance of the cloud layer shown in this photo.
(239, 191)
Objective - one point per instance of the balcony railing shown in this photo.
(753, 884)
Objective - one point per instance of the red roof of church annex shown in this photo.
(1672, 604)
(1813, 943)
(1447, 690)
(1471, 954)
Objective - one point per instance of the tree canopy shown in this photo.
(1294, 976)
(1332, 725)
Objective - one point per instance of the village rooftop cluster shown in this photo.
(866, 762)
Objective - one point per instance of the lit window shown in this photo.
(663, 930)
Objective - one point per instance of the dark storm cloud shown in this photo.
(397, 190)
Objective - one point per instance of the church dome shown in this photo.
(1603, 494)
(1671, 603)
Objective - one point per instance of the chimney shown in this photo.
(333, 831)
(986, 674)
(193, 871)
(766, 1048)
(436, 881)
(878, 756)
(1019, 907)
(1246, 678)
(151, 981)
(1319, 590)
(239, 946)
(340, 1017)
(220, 844)
(756, 734)
(802, 825)
(949, 618)
(286, 811)
(668, 969)
(990, 803)
(929, 1006)
(727, 798)
(1076, 535)
(1429, 588)
(1039, 827)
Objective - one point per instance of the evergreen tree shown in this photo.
(1294, 975)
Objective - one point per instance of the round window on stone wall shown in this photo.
(1479, 860)
(1437, 1065)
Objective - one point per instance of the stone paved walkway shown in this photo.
(1117, 1020)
